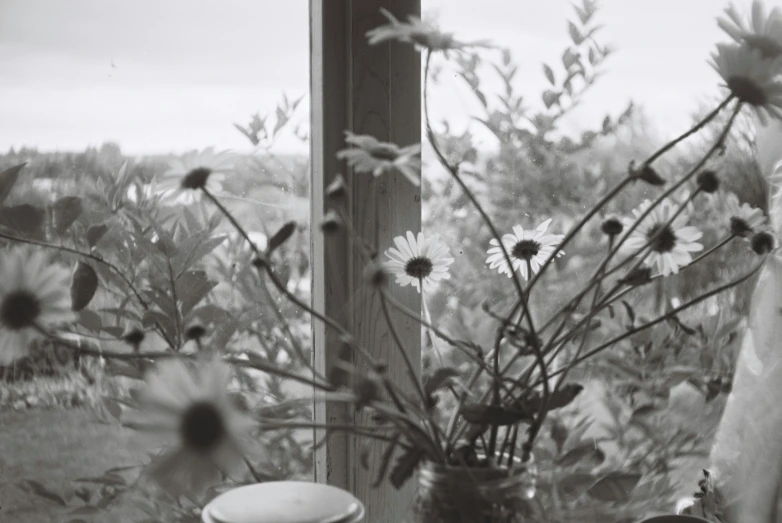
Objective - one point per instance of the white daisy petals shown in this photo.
(539, 247)
(210, 434)
(29, 273)
(418, 258)
(673, 249)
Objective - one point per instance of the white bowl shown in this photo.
(284, 502)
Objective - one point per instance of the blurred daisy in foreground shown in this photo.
(744, 219)
(530, 246)
(421, 34)
(676, 242)
(34, 294)
(187, 175)
(760, 32)
(751, 78)
(368, 155)
(415, 260)
(192, 407)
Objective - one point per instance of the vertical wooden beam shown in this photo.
(373, 90)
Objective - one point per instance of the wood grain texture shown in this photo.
(373, 90)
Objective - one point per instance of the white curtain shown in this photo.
(747, 455)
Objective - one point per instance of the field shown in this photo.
(53, 447)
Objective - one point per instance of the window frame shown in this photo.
(374, 90)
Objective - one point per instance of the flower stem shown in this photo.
(660, 319)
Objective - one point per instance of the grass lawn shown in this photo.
(55, 447)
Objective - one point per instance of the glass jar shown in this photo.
(453, 494)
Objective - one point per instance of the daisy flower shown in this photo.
(421, 34)
(425, 259)
(673, 247)
(34, 294)
(744, 219)
(194, 171)
(368, 155)
(533, 246)
(760, 32)
(751, 78)
(192, 407)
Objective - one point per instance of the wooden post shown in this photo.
(373, 90)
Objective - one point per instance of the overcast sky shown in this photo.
(161, 75)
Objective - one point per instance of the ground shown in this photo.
(54, 447)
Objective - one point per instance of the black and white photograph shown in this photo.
(390, 261)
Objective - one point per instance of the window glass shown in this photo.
(118, 113)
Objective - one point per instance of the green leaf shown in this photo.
(191, 288)
(95, 233)
(107, 479)
(193, 250)
(439, 379)
(481, 414)
(83, 286)
(90, 320)
(8, 179)
(615, 486)
(25, 219)
(405, 466)
(575, 34)
(586, 453)
(556, 400)
(573, 485)
(570, 58)
(280, 237)
(549, 74)
(37, 488)
(559, 433)
(112, 407)
(386, 459)
(644, 411)
(550, 98)
(123, 369)
(65, 211)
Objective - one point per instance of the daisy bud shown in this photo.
(331, 223)
(260, 262)
(366, 390)
(134, 337)
(337, 189)
(708, 181)
(376, 275)
(762, 242)
(195, 332)
(638, 276)
(612, 226)
(649, 175)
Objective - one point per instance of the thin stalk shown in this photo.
(660, 319)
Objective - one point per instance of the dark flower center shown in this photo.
(739, 227)
(196, 179)
(384, 152)
(202, 427)
(525, 249)
(768, 47)
(666, 240)
(747, 91)
(419, 267)
(134, 337)
(19, 310)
